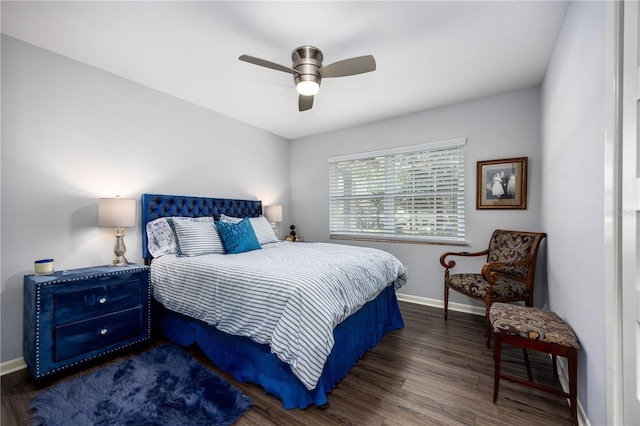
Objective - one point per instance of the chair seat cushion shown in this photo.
(531, 323)
(476, 285)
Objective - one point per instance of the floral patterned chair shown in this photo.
(539, 330)
(507, 276)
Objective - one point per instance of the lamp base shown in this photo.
(119, 249)
(275, 231)
(120, 261)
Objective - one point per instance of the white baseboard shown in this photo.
(436, 303)
(12, 366)
(19, 364)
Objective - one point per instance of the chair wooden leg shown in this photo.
(526, 361)
(487, 326)
(572, 358)
(446, 301)
(554, 360)
(497, 353)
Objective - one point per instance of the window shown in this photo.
(414, 193)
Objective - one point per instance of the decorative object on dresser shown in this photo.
(507, 276)
(80, 314)
(43, 267)
(502, 184)
(293, 235)
(273, 215)
(119, 213)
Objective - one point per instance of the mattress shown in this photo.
(289, 296)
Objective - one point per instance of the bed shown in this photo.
(297, 334)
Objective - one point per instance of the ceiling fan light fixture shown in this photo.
(308, 71)
(307, 88)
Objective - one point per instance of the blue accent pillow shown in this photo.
(238, 237)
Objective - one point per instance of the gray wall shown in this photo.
(502, 126)
(573, 140)
(72, 134)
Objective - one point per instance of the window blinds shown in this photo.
(410, 193)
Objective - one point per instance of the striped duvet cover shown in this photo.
(287, 295)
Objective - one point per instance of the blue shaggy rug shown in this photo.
(164, 386)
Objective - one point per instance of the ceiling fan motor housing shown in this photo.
(307, 61)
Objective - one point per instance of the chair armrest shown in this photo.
(451, 263)
(492, 276)
(489, 274)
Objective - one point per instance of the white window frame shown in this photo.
(430, 209)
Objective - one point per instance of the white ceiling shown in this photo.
(428, 53)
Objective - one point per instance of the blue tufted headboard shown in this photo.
(158, 205)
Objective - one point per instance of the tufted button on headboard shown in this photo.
(155, 206)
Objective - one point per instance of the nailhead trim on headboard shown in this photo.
(155, 206)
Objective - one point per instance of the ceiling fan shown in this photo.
(308, 71)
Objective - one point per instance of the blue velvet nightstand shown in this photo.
(80, 314)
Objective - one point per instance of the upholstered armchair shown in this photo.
(507, 276)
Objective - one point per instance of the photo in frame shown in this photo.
(502, 184)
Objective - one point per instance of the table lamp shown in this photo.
(274, 215)
(119, 213)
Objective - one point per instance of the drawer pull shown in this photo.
(102, 300)
(103, 331)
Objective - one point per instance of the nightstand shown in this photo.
(80, 314)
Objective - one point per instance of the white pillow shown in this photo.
(263, 230)
(225, 218)
(197, 237)
(261, 227)
(160, 238)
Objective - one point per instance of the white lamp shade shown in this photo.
(118, 212)
(273, 213)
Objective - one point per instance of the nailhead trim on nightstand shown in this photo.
(39, 287)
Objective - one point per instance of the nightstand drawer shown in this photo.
(89, 335)
(95, 301)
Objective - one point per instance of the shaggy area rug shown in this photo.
(164, 386)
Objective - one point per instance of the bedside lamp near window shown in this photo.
(273, 215)
(119, 213)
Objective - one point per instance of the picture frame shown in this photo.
(502, 184)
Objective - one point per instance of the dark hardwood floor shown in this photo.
(431, 372)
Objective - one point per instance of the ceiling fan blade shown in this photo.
(267, 64)
(351, 66)
(305, 102)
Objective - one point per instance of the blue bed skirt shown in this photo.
(253, 362)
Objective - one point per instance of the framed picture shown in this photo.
(502, 184)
